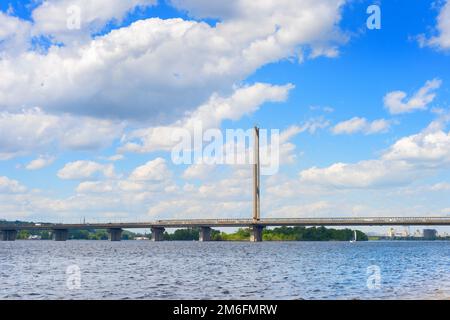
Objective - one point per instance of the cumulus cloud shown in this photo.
(428, 148)
(244, 100)
(81, 83)
(84, 169)
(442, 39)
(14, 34)
(314, 124)
(395, 101)
(441, 186)
(93, 78)
(94, 187)
(198, 171)
(204, 200)
(8, 185)
(364, 174)
(116, 157)
(153, 170)
(407, 159)
(358, 124)
(35, 131)
(70, 21)
(40, 162)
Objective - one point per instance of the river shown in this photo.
(224, 270)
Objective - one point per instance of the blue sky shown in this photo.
(365, 111)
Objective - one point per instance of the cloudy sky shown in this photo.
(87, 107)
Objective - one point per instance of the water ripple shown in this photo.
(224, 270)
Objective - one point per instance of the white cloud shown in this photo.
(52, 17)
(286, 147)
(244, 100)
(270, 157)
(198, 171)
(314, 124)
(130, 186)
(377, 126)
(93, 78)
(84, 169)
(350, 126)
(75, 85)
(116, 157)
(35, 131)
(94, 187)
(431, 149)
(155, 170)
(409, 158)
(225, 197)
(186, 208)
(442, 40)
(10, 186)
(40, 162)
(395, 101)
(358, 124)
(364, 174)
(441, 186)
(14, 34)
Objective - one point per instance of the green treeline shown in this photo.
(276, 234)
(76, 235)
(182, 235)
(191, 234)
(297, 234)
(312, 234)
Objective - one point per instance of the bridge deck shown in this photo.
(369, 221)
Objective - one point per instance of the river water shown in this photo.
(224, 270)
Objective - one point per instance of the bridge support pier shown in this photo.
(256, 233)
(8, 235)
(204, 234)
(115, 234)
(60, 234)
(158, 233)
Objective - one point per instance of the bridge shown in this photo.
(60, 231)
(256, 224)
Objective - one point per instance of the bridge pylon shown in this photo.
(256, 177)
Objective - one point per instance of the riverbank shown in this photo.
(242, 234)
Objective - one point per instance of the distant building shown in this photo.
(429, 233)
(141, 238)
(402, 234)
(391, 233)
(417, 234)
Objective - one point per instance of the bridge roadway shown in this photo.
(60, 231)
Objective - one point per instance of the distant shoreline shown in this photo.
(242, 234)
(275, 241)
